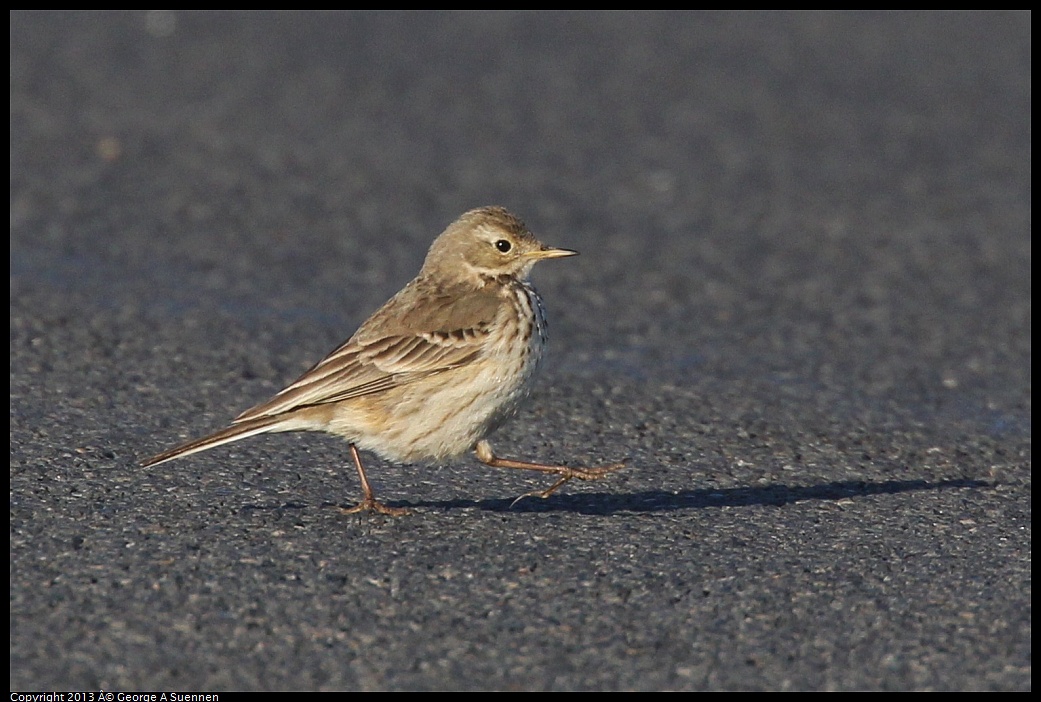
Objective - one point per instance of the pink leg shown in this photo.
(487, 456)
(369, 502)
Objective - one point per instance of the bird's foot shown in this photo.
(369, 504)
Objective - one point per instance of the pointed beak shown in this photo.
(548, 252)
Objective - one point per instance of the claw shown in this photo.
(371, 505)
(568, 474)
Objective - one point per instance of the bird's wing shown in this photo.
(414, 335)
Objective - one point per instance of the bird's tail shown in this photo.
(241, 430)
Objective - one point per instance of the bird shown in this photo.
(435, 370)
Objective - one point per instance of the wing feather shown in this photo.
(400, 344)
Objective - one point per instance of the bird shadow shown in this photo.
(651, 501)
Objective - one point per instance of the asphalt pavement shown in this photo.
(801, 314)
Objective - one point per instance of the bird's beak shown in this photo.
(548, 252)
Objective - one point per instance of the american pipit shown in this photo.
(435, 370)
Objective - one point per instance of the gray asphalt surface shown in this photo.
(802, 313)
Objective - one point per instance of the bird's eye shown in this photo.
(503, 245)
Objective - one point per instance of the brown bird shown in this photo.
(435, 370)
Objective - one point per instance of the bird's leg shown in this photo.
(487, 456)
(369, 502)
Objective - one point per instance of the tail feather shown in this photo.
(242, 430)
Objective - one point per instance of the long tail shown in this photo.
(242, 430)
